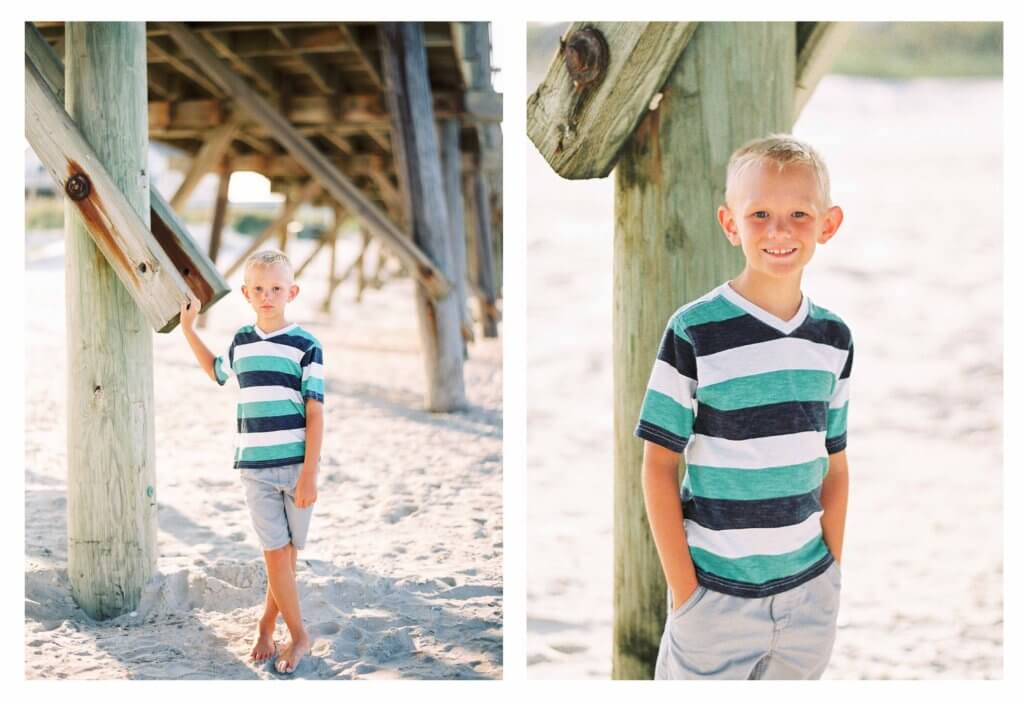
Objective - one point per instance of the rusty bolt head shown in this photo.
(78, 187)
(586, 57)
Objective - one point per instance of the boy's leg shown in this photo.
(281, 575)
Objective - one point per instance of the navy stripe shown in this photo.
(276, 462)
(309, 394)
(716, 336)
(825, 331)
(773, 586)
(730, 514)
(300, 342)
(264, 424)
(656, 434)
(313, 355)
(678, 353)
(848, 367)
(836, 443)
(265, 378)
(760, 421)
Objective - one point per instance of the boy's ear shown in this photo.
(293, 292)
(728, 223)
(833, 219)
(245, 292)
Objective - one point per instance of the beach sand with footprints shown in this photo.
(401, 576)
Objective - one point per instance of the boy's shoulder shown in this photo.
(836, 328)
(304, 336)
(709, 307)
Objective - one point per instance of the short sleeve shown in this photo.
(666, 415)
(223, 365)
(835, 438)
(313, 373)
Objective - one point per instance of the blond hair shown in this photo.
(265, 259)
(782, 150)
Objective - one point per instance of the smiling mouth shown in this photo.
(779, 252)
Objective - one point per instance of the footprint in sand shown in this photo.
(327, 628)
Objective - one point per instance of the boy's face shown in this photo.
(268, 288)
(778, 217)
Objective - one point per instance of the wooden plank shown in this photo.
(484, 254)
(313, 67)
(198, 272)
(46, 61)
(157, 52)
(482, 105)
(339, 187)
(209, 155)
(111, 477)
(368, 64)
(733, 83)
(410, 104)
(815, 56)
(119, 232)
(262, 76)
(580, 133)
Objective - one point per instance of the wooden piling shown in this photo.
(456, 216)
(484, 255)
(417, 151)
(733, 82)
(111, 459)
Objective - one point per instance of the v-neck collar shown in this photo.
(786, 327)
(264, 336)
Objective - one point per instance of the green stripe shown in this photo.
(271, 452)
(768, 388)
(280, 407)
(218, 369)
(665, 412)
(313, 384)
(267, 363)
(299, 331)
(717, 309)
(816, 312)
(758, 569)
(764, 483)
(837, 421)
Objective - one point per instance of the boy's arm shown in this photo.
(665, 514)
(834, 492)
(204, 356)
(305, 489)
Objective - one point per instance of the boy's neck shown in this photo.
(271, 325)
(780, 297)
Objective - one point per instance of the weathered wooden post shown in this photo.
(485, 254)
(456, 217)
(418, 155)
(111, 460)
(666, 104)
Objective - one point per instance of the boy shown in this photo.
(751, 381)
(279, 367)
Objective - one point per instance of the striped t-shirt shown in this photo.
(756, 405)
(276, 372)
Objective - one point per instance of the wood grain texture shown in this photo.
(317, 164)
(206, 159)
(111, 459)
(119, 232)
(815, 56)
(410, 104)
(734, 82)
(641, 54)
(452, 164)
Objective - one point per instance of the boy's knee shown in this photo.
(283, 553)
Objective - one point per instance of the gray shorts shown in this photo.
(784, 636)
(270, 496)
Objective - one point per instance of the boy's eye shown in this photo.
(761, 214)
(799, 215)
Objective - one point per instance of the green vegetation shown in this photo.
(42, 213)
(923, 49)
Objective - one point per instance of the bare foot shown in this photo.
(289, 660)
(265, 647)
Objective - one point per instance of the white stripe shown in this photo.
(769, 356)
(743, 542)
(764, 315)
(268, 348)
(272, 393)
(313, 370)
(670, 382)
(755, 453)
(841, 395)
(269, 438)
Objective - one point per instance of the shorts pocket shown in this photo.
(690, 602)
(835, 574)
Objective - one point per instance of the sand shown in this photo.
(402, 574)
(916, 273)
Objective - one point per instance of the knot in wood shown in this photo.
(586, 57)
(78, 187)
